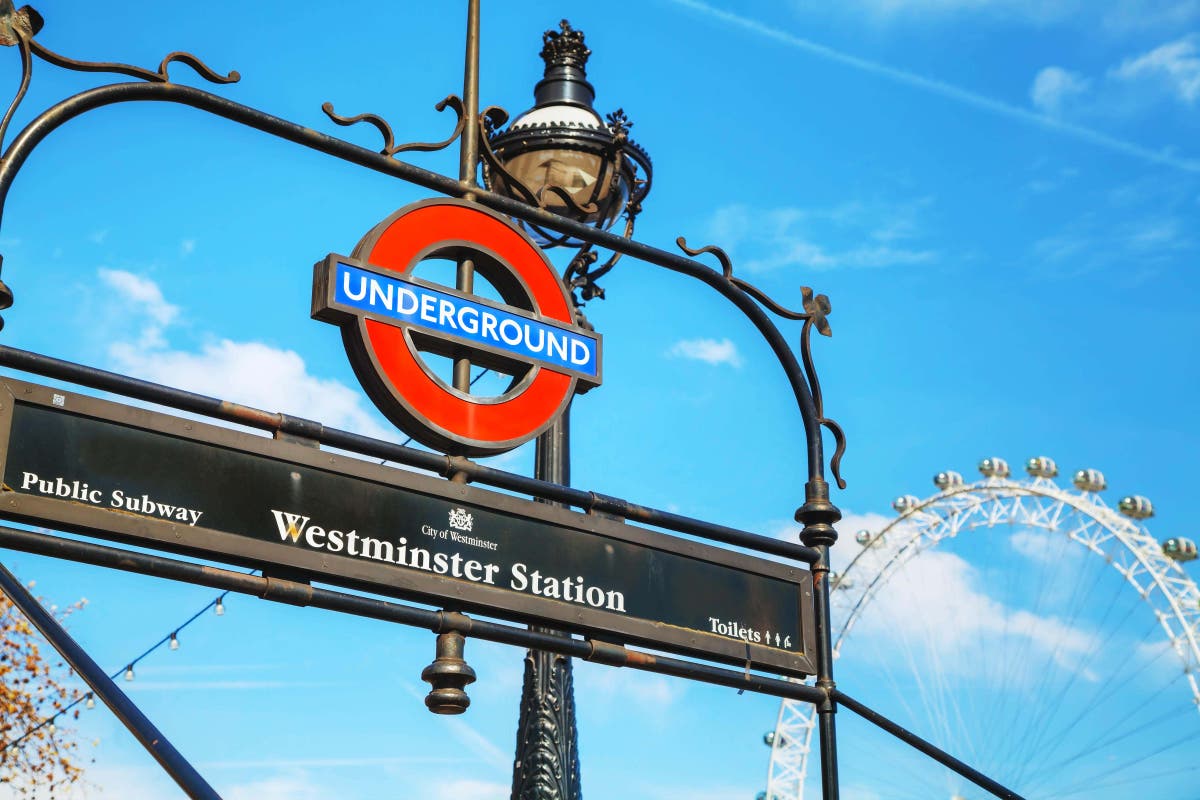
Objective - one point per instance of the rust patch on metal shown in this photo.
(251, 416)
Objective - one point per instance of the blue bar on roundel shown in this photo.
(442, 312)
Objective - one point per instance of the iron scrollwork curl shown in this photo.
(579, 274)
(814, 316)
(390, 148)
(19, 27)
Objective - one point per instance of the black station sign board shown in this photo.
(158, 481)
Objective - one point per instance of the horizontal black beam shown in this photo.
(439, 464)
(937, 754)
(303, 594)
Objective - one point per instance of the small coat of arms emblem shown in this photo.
(460, 519)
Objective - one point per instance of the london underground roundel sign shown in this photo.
(391, 320)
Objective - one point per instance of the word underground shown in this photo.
(79, 491)
(449, 314)
(519, 577)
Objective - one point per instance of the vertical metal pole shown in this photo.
(818, 515)
(130, 715)
(827, 709)
(468, 163)
(547, 760)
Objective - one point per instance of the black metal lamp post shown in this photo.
(562, 157)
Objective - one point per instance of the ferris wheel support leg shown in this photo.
(818, 515)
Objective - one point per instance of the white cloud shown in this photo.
(216, 686)
(937, 591)
(472, 741)
(942, 89)
(1035, 545)
(295, 786)
(143, 295)
(1093, 243)
(1053, 87)
(325, 762)
(255, 374)
(1174, 65)
(1139, 15)
(467, 787)
(710, 351)
(1123, 16)
(675, 791)
(1035, 11)
(627, 691)
(252, 373)
(104, 782)
(762, 239)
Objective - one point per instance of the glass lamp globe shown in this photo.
(561, 145)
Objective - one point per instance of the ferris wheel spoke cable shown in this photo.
(1102, 740)
(1039, 746)
(1035, 749)
(895, 755)
(1090, 784)
(1019, 737)
(902, 694)
(1095, 703)
(1038, 754)
(1135, 779)
(1111, 632)
(1162, 720)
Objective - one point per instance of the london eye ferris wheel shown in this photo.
(1036, 631)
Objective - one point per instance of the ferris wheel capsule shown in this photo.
(994, 468)
(839, 581)
(769, 738)
(1090, 480)
(906, 503)
(1179, 549)
(1041, 467)
(947, 479)
(1136, 507)
(866, 538)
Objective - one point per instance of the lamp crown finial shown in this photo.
(564, 47)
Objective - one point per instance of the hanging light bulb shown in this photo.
(220, 609)
(129, 672)
(51, 728)
(174, 643)
(91, 702)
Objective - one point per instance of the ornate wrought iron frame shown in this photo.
(473, 130)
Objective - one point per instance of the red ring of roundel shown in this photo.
(493, 426)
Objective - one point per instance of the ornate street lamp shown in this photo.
(560, 155)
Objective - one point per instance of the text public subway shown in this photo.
(441, 312)
(518, 577)
(82, 492)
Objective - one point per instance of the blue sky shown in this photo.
(999, 197)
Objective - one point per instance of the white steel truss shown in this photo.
(1170, 594)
